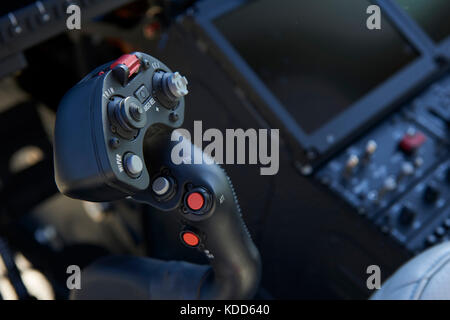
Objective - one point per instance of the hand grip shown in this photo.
(93, 148)
(223, 235)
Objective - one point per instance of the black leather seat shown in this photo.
(425, 277)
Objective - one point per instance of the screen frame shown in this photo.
(368, 109)
(440, 49)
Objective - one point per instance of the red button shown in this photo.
(131, 61)
(190, 239)
(195, 201)
(411, 142)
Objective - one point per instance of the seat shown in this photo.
(425, 277)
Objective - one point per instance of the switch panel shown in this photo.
(398, 174)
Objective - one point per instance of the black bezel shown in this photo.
(369, 109)
(441, 48)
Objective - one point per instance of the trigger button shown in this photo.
(198, 201)
(195, 201)
(190, 239)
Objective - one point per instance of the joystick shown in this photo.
(112, 141)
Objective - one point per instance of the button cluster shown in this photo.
(198, 202)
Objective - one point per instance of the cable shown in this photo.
(13, 272)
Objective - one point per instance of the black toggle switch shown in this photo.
(442, 115)
(431, 194)
(407, 216)
(127, 114)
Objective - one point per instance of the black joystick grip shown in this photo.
(113, 140)
(211, 220)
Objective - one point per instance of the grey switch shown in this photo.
(160, 186)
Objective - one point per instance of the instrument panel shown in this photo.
(24, 24)
(398, 174)
(374, 129)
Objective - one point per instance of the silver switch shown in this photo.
(177, 85)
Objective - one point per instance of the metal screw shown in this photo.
(173, 116)
(114, 143)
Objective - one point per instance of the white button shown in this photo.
(133, 164)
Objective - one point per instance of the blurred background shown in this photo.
(363, 114)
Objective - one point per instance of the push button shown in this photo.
(412, 141)
(190, 239)
(133, 164)
(195, 201)
(142, 94)
(161, 186)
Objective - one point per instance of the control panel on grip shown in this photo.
(131, 96)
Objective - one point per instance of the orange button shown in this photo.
(195, 201)
(191, 239)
